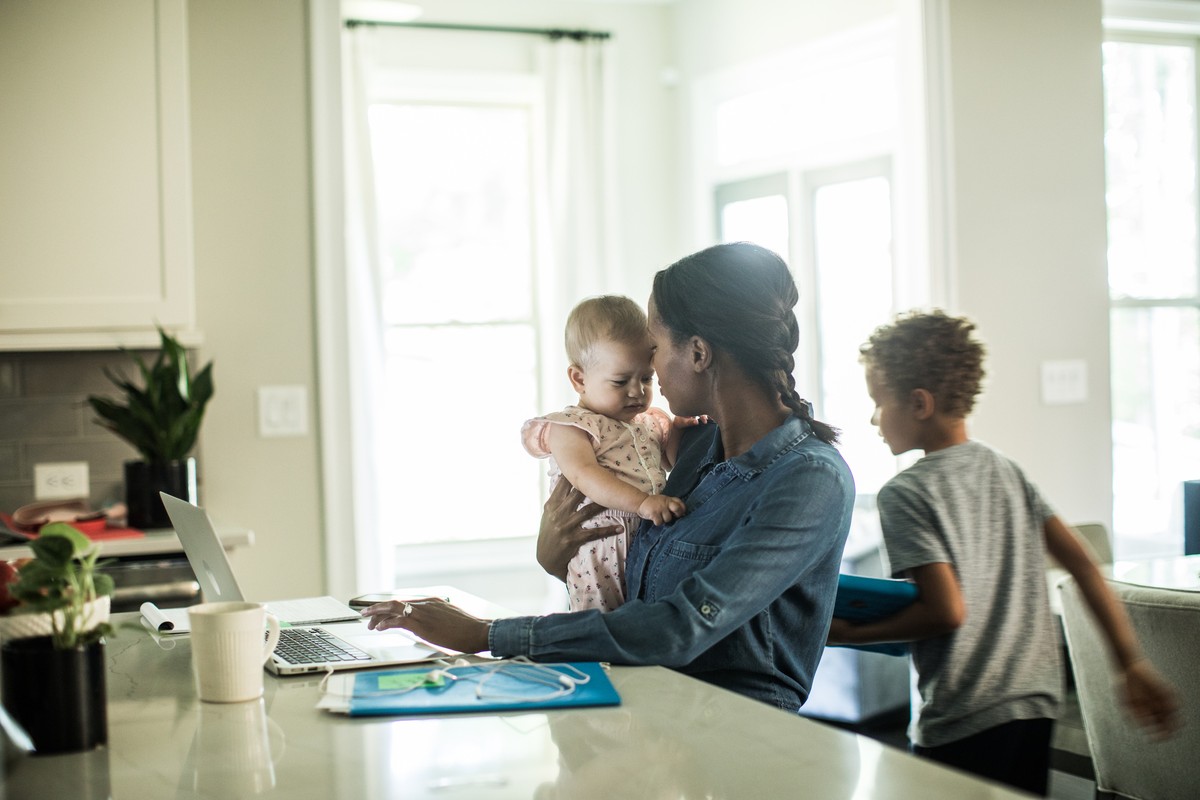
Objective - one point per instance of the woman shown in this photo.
(738, 592)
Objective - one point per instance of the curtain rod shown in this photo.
(553, 33)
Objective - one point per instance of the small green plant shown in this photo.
(61, 580)
(162, 418)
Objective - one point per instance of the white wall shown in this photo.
(250, 165)
(1027, 208)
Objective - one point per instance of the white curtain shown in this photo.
(580, 165)
(365, 355)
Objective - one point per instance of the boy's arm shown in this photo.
(938, 610)
(1147, 696)
(572, 450)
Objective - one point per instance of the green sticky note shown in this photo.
(401, 681)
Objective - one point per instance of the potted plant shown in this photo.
(161, 419)
(52, 655)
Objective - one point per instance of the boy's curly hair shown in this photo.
(931, 351)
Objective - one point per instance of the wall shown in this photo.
(44, 417)
(250, 165)
(1018, 192)
(1026, 191)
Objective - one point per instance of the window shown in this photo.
(1154, 282)
(455, 215)
(841, 255)
(800, 149)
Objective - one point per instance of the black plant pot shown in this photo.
(57, 696)
(145, 479)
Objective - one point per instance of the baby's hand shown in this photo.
(661, 509)
(689, 422)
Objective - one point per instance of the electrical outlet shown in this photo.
(62, 481)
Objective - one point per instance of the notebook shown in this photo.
(335, 635)
(860, 599)
(479, 688)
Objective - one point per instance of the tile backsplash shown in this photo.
(45, 417)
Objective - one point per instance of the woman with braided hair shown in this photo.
(739, 591)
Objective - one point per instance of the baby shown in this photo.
(612, 446)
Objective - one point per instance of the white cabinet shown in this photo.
(95, 194)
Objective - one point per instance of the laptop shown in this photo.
(320, 634)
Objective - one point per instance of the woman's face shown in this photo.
(672, 364)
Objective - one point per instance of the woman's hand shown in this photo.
(434, 620)
(561, 533)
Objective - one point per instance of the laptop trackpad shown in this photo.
(390, 645)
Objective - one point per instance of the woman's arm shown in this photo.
(711, 581)
(572, 450)
(938, 610)
(1147, 696)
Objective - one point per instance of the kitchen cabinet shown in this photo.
(95, 188)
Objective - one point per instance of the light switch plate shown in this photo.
(1064, 382)
(282, 411)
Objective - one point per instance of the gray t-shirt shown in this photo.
(972, 508)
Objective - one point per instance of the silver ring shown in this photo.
(407, 610)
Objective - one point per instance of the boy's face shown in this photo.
(619, 381)
(894, 416)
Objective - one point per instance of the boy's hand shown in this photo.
(661, 509)
(1150, 700)
(839, 631)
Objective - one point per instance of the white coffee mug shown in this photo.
(228, 652)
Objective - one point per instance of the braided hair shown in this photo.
(739, 297)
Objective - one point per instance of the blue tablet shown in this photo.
(862, 599)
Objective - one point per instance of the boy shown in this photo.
(967, 526)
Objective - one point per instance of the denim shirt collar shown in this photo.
(765, 452)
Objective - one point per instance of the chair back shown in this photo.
(1096, 535)
(1126, 760)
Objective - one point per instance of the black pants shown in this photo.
(1016, 753)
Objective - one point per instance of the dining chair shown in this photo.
(1096, 535)
(1127, 762)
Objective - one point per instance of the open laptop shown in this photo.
(319, 633)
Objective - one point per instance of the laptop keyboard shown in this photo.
(315, 646)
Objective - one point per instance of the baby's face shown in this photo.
(619, 381)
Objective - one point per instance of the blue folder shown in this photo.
(863, 599)
(505, 690)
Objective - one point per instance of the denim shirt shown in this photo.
(739, 591)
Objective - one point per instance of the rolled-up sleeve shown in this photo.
(752, 538)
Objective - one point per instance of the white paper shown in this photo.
(166, 621)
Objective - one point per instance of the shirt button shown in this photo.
(706, 609)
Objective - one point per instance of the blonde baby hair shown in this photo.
(607, 318)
